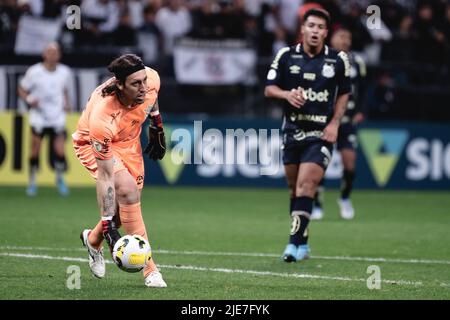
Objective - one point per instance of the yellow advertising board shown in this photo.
(15, 137)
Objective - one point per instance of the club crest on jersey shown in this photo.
(328, 70)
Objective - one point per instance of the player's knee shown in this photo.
(127, 194)
(306, 188)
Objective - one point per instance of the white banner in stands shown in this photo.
(34, 34)
(204, 62)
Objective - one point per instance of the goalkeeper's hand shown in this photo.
(156, 148)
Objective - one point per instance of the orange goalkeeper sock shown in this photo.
(132, 222)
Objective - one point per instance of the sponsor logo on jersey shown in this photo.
(308, 117)
(311, 95)
(307, 134)
(294, 69)
(309, 76)
(114, 115)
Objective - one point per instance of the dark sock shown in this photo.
(300, 219)
(291, 206)
(347, 183)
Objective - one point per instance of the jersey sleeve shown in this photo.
(100, 135)
(343, 73)
(27, 80)
(275, 76)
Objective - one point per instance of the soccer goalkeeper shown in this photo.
(107, 143)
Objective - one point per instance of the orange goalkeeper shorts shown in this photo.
(126, 156)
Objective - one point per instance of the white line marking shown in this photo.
(248, 254)
(222, 270)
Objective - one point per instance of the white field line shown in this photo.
(248, 254)
(221, 270)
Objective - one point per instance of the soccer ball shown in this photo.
(131, 253)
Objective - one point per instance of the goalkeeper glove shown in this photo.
(156, 147)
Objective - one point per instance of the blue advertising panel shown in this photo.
(238, 152)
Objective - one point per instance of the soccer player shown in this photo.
(107, 143)
(347, 142)
(313, 82)
(45, 90)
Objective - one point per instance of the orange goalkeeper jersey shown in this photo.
(108, 129)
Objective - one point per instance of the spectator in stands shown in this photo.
(430, 43)
(174, 21)
(124, 35)
(9, 17)
(99, 19)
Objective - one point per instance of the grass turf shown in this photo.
(398, 226)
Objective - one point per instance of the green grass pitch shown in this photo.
(223, 243)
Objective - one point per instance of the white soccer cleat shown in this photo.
(155, 280)
(316, 214)
(96, 260)
(347, 211)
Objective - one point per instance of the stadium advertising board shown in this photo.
(224, 152)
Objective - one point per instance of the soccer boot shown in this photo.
(347, 211)
(302, 252)
(155, 280)
(316, 214)
(96, 260)
(290, 253)
(62, 188)
(32, 190)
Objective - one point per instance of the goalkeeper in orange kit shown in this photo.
(107, 143)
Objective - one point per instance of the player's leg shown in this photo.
(128, 196)
(59, 139)
(291, 172)
(349, 161)
(309, 176)
(317, 213)
(35, 147)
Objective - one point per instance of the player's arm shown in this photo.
(331, 130)
(67, 105)
(274, 82)
(106, 197)
(156, 147)
(294, 96)
(27, 97)
(343, 90)
(361, 90)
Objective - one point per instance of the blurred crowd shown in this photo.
(417, 31)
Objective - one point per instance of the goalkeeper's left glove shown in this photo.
(156, 147)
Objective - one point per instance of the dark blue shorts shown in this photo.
(319, 152)
(347, 137)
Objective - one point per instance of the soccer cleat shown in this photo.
(316, 214)
(290, 253)
(31, 190)
(96, 260)
(62, 188)
(302, 252)
(347, 211)
(155, 280)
